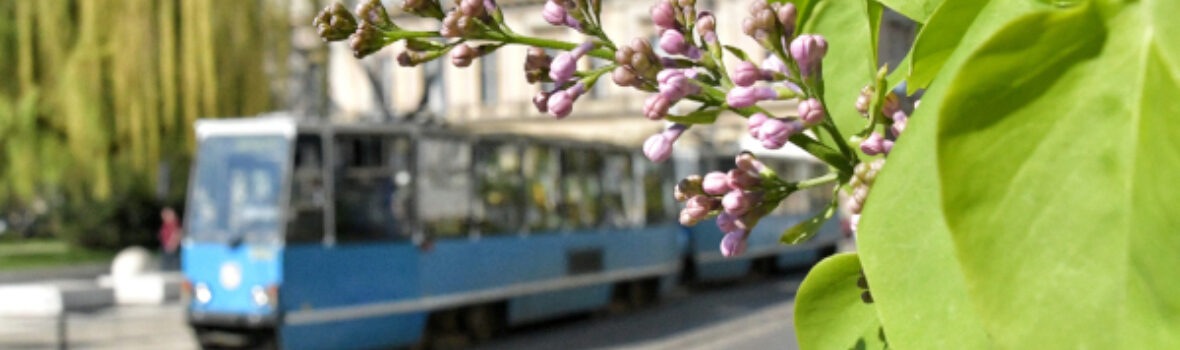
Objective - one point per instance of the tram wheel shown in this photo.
(483, 322)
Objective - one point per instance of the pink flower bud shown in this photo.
(624, 77)
(787, 15)
(772, 63)
(563, 66)
(809, 50)
(887, 146)
(656, 106)
(736, 203)
(741, 97)
(727, 222)
(463, 55)
(734, 243)
(561, 103)
(775, 133)
(741, 179)
(673, 42)
(658, 147)
(811, 112)
(471, 8)
(746, 74)
(553, 13)
(715, 183)
(706, 24)
(754, 122)
(664, 15)
(703, 202)
(873, 145)
(746, 161)
(898, 126)
(541, 101)
(854, 222)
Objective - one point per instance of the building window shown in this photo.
(488, 79)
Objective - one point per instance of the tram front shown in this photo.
(231, 255)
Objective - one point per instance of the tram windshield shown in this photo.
(235, 191)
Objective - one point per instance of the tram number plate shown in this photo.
(584, 260)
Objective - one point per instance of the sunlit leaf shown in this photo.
(850, 62)
(829, 311)
(953, 24)
(1058, 154)
(804, 230)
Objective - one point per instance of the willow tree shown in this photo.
(100, 95)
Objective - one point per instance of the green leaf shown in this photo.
(1059, 137)
(917, 10)
(850, 62)
(829, 312)
(804, 230)
(737, 52)
(953, 24)
(707, 116)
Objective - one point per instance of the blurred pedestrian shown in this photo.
(170, 235)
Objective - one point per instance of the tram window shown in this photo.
(498, 188)
(444, 186)
(619, 198)
(306, 220)
(580, 188)
(656, 199)
(366, 192)
(541, 184)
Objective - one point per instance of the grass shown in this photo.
(31, 253)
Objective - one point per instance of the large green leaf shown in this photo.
(1058, 155)
(957, 23)
(917, 10)
(905, 247)
(829, 312)
(850, 62)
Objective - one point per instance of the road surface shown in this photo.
(745, 315)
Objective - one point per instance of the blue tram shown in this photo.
(308, 236)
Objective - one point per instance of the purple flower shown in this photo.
(561, 103)
(746, 161)
(809, 50)
(734, 243)
(754, 123)
(787, 15)
(663, 15)
(656, 106)
(706, 24)
(736, 203)
(741, 97)
(746, 74)
(564, 65)
(727, 222)
(553, 13)
(772, 63)
(672, 42)
(715, 183)
(873, 145)
(811, 111)
(658, 147)
(697, 208)
(740, 179)
(899, 125)
(775, 133)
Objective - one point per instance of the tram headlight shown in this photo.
(202, 293)
(265, 296)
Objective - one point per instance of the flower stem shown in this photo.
(606, 54)
(818, 181)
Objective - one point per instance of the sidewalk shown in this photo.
(89, 271)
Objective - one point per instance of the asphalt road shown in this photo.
(752, 314)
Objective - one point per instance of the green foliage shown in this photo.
(829, 311)
(1083, 101)
(1048, 138)
(851, 61)
(804, 230)
(956, 25)
(103, 93)
(917, 10)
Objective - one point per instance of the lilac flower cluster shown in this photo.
(463, 20)
(738, 198)
(863, 176)
(878, 143)
(560, 102)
